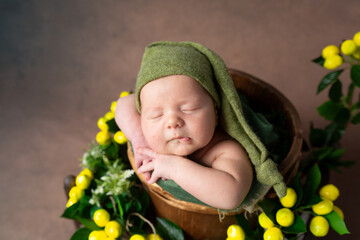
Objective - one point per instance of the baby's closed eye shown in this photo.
(190, 109)
(155, 115)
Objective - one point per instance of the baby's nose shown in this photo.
(174, 122)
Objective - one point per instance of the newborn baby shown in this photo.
(186, 124)
(179, 140)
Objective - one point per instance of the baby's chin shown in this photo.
(179, 151)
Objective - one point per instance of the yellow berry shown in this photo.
(348, 47)
(109, 116)
(265, 221)
(333, 62)
(97, 235)
(71, 202)
(82, 181)
(324, 207)
(235, 232)
(273, 233)
(356, 38)
(101, 217)
(120, 138)
(88, 173)
(124, 94)
(76, 193)
(330, 51)
(137, 237)
(102, 124)
(113, 106)
(330, 192)
(103, 138)
(152, 237)
(290, 199)
(338, 211)
(113, 229)
(285, 217)
(319, 226)
(356, 54)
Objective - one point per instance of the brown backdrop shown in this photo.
(63, 62)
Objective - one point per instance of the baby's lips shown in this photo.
(185, 139)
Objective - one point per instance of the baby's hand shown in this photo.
(161, 165)
(141, 159)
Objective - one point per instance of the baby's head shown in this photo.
(176, 95)
(178, 116)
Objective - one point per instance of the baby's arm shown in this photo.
(128, 120)
(224, 184)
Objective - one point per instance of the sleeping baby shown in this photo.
(176, 124)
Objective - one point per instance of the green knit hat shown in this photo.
(195, 60)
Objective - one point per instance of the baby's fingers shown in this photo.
(146, 152)
(146, 168)
(153, 178)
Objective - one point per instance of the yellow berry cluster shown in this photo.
(284, 217)
(104, 137)
(82, 182)
(112, 229)
(349, 47)
(319, 226)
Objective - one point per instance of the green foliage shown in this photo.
(337, 223)
(341, 110)
(169, 230)
(81, 234)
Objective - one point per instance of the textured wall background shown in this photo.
(63, 62)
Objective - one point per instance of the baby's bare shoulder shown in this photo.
(228, 148)
(224, 150)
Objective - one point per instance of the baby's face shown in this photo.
(178, 116)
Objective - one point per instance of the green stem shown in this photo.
(121, 211)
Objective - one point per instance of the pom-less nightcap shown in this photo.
(206, 67)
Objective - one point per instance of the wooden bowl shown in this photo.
(202, 222)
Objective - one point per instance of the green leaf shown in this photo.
(356, 119)
(334, 132)
(328, 79)
(342, 117)
(319, 60)
(329, 109)
(81, 234)
(355, 74)
(313, 200)
(312, 183)
(259, 232)
(317, 137)
(355, 106)
(350, 93)
(72, 211)
(335, 92)
(270, 207)
(113, 127)
(169, 230)
(245, 225)
(297, 227)
(323, 153)
(337, 223)
(296, 185)
(336, 154)
(88, 223)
